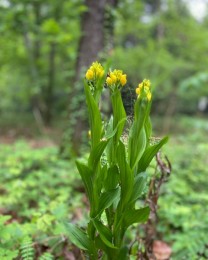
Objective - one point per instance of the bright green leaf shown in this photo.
(126, 174)
(119, 114)
(137, 135)
(139, 185)
(94, 117)
(96, 153)
(78, 237)
(86, 175)
(132, 216)
(149, 153)
(105, 233)
(107, 198)
(112, 178)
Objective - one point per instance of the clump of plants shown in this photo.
(114, 175)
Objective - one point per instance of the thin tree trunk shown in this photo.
(49, 93)
(51, 84)
(33, 53)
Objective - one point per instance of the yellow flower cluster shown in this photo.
(116, 77)
(95, 71)
(144, 89)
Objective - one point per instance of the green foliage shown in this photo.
(164, 43)
(10, 234)
(39, 191)
(46, 256)
(36, 196)
(183, 205)
(27, 249)
(79, 237)
(24, 173)
(6, 254)
(34, 36)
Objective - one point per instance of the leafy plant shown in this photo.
(114, 185)
(46, 256)
(183, 205)
(36, 195)
(27, 249)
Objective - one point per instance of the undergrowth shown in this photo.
(183, 204)
(38, 190)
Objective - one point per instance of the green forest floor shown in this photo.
(39, 190)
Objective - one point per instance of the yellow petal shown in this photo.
(149, 96)
(89, 74)
(138, 91)
(100, 72)
(123, 79)
(114, 78)
(109, 81)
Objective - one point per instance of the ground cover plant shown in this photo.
(36, 195)
(182, 204)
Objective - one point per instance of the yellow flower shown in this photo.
(113, 78)
(138, 91)
(100, 73)
(98, 69)
(89, 74)
(109, 81)
(146, 83)
(146, 89)
(143, 90)
(123, 79)
(149, 96)
(95, 71)
(116, 78)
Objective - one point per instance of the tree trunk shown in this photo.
(51, 83)
(92, 39)
(49, 93)
(90, 46)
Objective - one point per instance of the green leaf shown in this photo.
(137, 135)
(138, 144)
(148, 127)
(132, 216)
(126, 174)
(96, 153)
(100, 178)
(86, 175)
(123, 253)
(119, 114)
(149, 153)
(111, 132)
(100, 244)
(112, 179)
(139, 185)
(78, 237)
(7, 254)
(107, 198)
(50, 26)
(104, 232)
(4, 218)
(94, 117)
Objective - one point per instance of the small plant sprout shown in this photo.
(115, 174)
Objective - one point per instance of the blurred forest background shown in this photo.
(46, 47)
